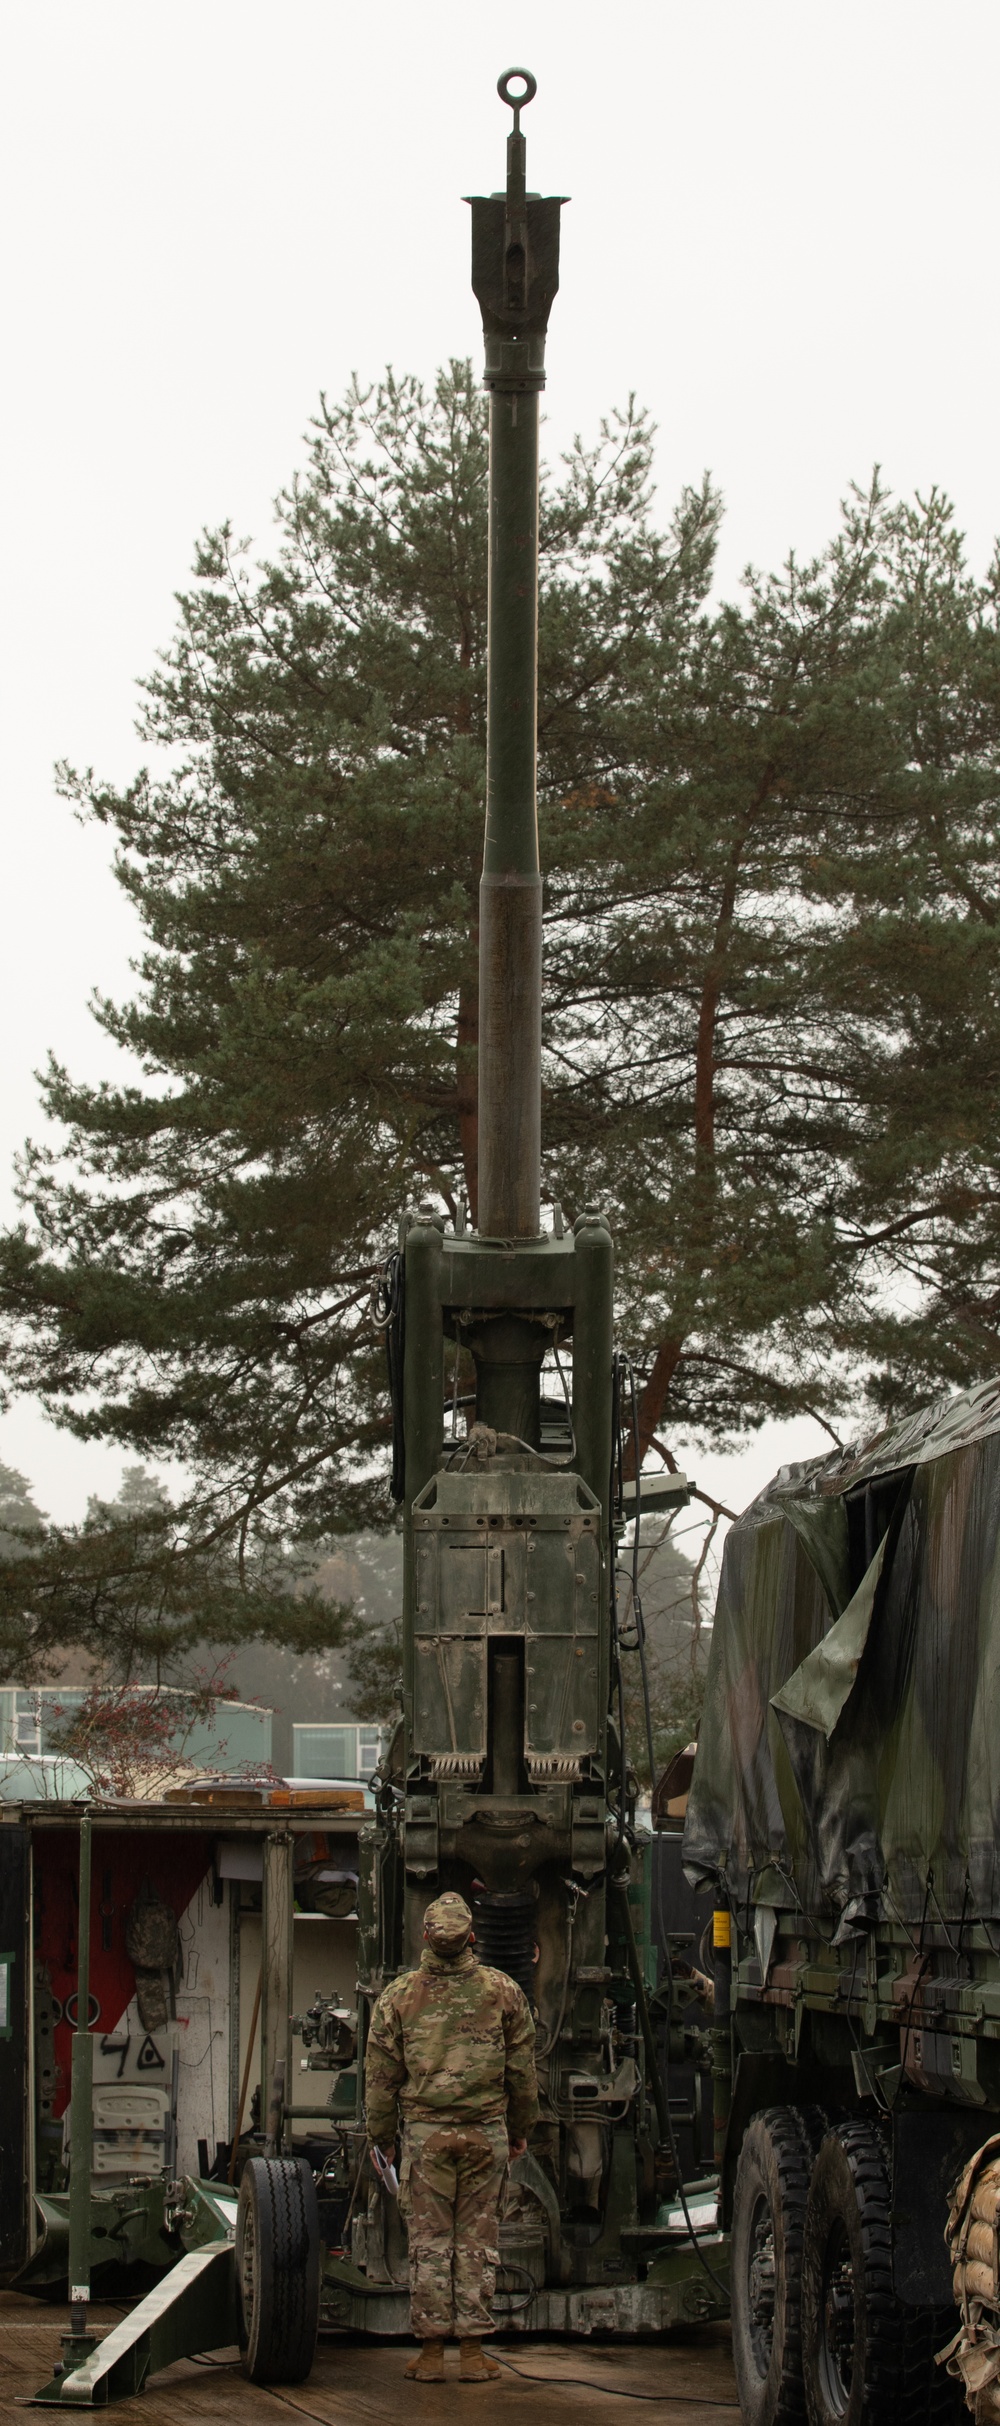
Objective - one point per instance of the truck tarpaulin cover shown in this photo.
(849, 1756)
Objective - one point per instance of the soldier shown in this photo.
(451, 2050)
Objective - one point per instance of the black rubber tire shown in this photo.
(867, 2358)
(277, 2269)
(765, 2262)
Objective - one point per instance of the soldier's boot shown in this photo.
(476, 2365)
(428, 2365)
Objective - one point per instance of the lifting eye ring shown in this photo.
(517, 101)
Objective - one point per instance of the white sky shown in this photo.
(783, 235)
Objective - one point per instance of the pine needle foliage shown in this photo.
(772, 1021)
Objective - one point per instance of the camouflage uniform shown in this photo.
(451, 2052)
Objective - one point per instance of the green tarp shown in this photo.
(817, 1691)
(849, 1753)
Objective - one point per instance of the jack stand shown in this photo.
(78, 2343)
(76, 2346)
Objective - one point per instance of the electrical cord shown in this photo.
(516, 2302)
(615, 2392)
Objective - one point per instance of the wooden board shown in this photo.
(682, 2382)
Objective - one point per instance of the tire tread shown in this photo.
(793, 2133)
(280, 2336)
(901, 2379)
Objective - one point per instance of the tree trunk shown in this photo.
(653, 1397)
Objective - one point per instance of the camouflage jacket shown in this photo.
(452, 2042)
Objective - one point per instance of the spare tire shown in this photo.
(277, 2269)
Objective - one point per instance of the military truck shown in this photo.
(845, 1808)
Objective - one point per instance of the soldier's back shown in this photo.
(451, 2018)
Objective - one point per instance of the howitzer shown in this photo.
(508, 1778)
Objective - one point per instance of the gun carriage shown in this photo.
(509, 1776)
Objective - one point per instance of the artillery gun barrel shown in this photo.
(515, 257)
(510, 894)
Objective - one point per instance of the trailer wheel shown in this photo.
(277, 2269)
(772, 2185)
(865, 2354)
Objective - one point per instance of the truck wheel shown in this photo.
(277, 2269)
(769, 2205)
(864, 2353)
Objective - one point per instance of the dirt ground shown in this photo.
(688, 2382)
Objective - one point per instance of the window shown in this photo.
(348, 1752)
(28, 1722)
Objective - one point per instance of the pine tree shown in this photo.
(146, 1590)
(20, 1517)
(769, 835)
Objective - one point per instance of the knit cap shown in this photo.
(447, 1923)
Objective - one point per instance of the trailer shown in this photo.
(178, 2031)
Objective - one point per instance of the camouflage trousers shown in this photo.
(451, 2184)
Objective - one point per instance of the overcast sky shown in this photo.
(783, 235)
